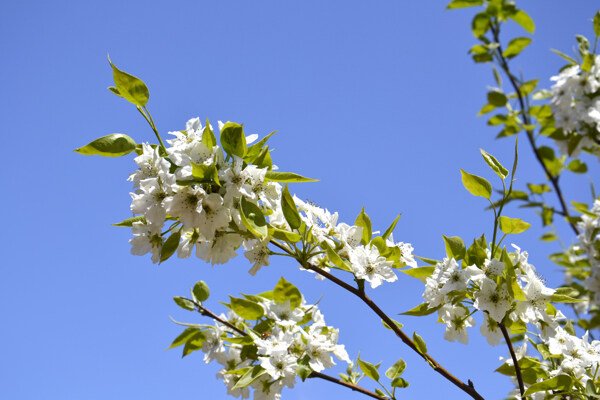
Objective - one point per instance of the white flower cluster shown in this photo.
(206, 215)
(458, 292)
(366, 261)
(576, 107)
(293, 337)
(589, 242)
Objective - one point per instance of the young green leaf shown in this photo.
(115, 145)
(597, 24)
(284, 235)
(364, 222)
(494, 164)
(523, 19)
(205, 173)
(513, 225)
(246, 309)
(577, 166)
(170, 246)
(253, 218)
(419, 343)
(286, 177)
(369, 370)
(560, 382)
(391, 228)
(396, 370)
(290, 211)
(497, 99)
(455, 247)
(128, 223)
(285, 291)
(201, 291)
(250, 376)
(421, 273)
(463, 3)
(184, 303)
(480, 24)
(130, 87)
(516, 46)
(476, 185)
(189, 333)
(208, 136)
(400, 382)
(233, 139)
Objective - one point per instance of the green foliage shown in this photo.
(513, 225)
(128, 223)
(369, 369)
(129, 87)
(290, 211)
(233, 139)
(455, 248)
(494, 164)
(391, 228)
(420, 273)
(419, 343)
(114, 145)
(253, 218)
(516, 46)
(285, 291)
(476, 185)
(170, 246)
(246, 309)
(523, 19)
(364, 222)
(396, 370)
(184, 303)
(201, 291)
(286, 177)
(560, 382)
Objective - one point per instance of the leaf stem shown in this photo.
(150, 121)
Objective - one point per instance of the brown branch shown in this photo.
(530, 136)
(514, 358)
(207, 313)
(467, 388)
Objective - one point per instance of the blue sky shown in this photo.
(376, 99)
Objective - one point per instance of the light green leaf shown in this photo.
(201, 291)
(476, 185)
(250, 376)
(391, 228)
(128, 223)
(597, 24)
(184, 303)
(513, 225)
(400, 382)
(208, 136)
(189, 333)
(420, 273)
(497, 99)
(246, 309)
(577, 166)
(398, 324)
(364, 222)
(494, 164)
(538, 189)
(463, 3)
(560, 382)
(455, 248)
(563, 298)
(523, 19)
(253, 218)
(419, 343)
(205, 173)
(285, 291)
(396, 370)
(529, 86)
(421, 310)
(115, 145)
(263, 160)
(542, 94)
(286, 177)
(335, 258)
(256, 149)
(369, 370)
(233, 139)
(303, 369)
(115, 91)
(284, 235)
(290, 211)
(170, 246)
(566, 57)
(515, 47)
(130, 87)
(480, 24)
(486, 109)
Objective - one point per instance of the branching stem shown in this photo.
(514, 358)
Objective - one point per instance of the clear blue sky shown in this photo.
(377, 99)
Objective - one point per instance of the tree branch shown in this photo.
(467, 388)
(514, 358)
(530, 136)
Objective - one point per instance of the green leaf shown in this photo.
(516, 46)
(128, 223)
(115, 91)
(566, 57)
(250, 376)
(285, 291)
(542, 94)
(398, 324)
(246, 309)
(597, 24)
(396, 370)
(563, 298)
(303, 369)
(130, 87)
(523, 19)
(364, 222)
(588, 62)
(455, 247)
(400, 382)
(187, 334)
(284, 235)
(170, 246)
(420, 273)
(538, 189)
(335, 258)
(577, 166)
(494, 164)
(184, 303)
(208, 136)
(256, 149)
(497, 99)
(480, 24)
(253, 218)
(513, 225)
(529, 86)
(290, 211)
(486, 109)
(391, 228)
(560, 382)
(463, 3)
(476, 185)
(429, 261)
(369, 370)
(115, 145)
(233, 139)
(421, 310)
(263, 160)
(286, 177)
(419, 343)
(205, 173)
(201, 291)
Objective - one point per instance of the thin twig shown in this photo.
(514, 358)
(530, 136)
(207, 313)
(467, 388)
